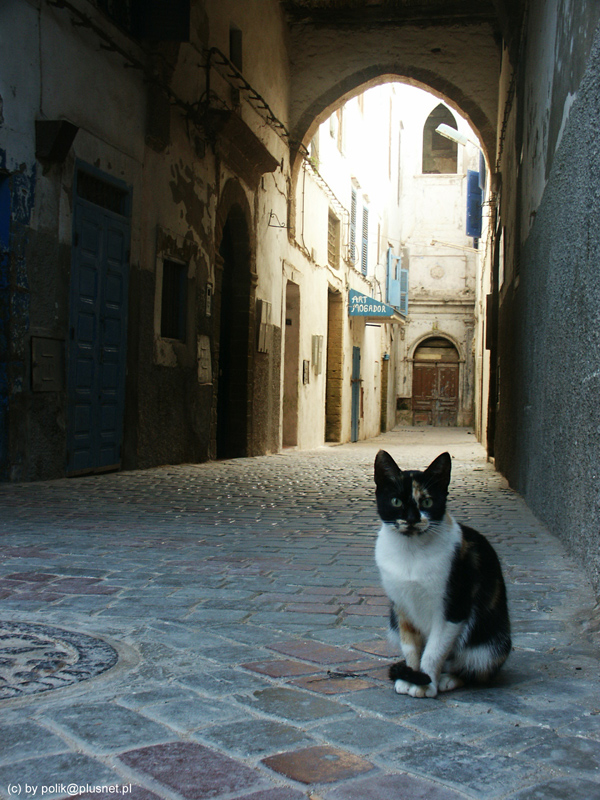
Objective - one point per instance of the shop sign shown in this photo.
(361, 305)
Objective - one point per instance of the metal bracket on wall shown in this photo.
(277, 223)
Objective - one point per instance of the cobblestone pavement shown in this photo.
(218, 631)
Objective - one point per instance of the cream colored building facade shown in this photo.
(440, 356)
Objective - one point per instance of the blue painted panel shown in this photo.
(393, 283)
(474, 198)
(355, 393)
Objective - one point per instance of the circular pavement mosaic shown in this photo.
(37, 658)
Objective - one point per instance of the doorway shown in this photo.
(435, 383)
(291, 367)
(334, 370)
(234, 335)
(97, 347)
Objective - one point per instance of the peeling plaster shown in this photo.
(184, 191)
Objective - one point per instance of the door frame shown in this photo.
(458, 365)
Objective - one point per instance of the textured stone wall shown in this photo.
(548, 426)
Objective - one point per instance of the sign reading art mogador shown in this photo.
(361, 305)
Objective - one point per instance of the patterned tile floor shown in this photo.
(243, 602)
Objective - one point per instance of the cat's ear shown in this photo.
(386, 468)
(438, 472)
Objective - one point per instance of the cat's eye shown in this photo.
(426, 502)
(396, 502)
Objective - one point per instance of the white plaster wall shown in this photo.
(101, 96)
(444, 268)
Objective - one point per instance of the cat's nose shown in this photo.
(413, 516)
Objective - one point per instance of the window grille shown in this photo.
(101, 193)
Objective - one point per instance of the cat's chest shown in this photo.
(413, 573)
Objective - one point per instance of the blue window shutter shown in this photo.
(403, 291)
(393, 284)
(474, 197)
(365, 241)
(353, 227)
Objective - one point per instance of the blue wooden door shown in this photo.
(98, 338)
(355, 393)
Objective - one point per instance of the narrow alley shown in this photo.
(218, 631)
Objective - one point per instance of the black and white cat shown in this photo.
(444, 581)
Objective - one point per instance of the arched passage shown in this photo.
(338, 95)
(235, 284)
(459, 63)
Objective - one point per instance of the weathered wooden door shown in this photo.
(424, 393)
(435, 384)
(435, 394)
(446, 411)
(98, 326)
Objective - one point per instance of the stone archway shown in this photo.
(479, 111)
(459, 63)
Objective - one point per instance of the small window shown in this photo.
(440, 155)
(174, 301)
(333, 241)
(235, 47)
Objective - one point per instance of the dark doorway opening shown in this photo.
(291, 369)
(234, 337)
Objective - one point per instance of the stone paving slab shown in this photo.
(244, 605)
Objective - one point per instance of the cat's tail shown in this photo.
(400, 671)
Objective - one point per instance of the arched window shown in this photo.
(439, 153)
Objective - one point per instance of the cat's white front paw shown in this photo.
(404, 687)
(448, 682)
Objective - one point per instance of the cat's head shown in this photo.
(411, 500)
